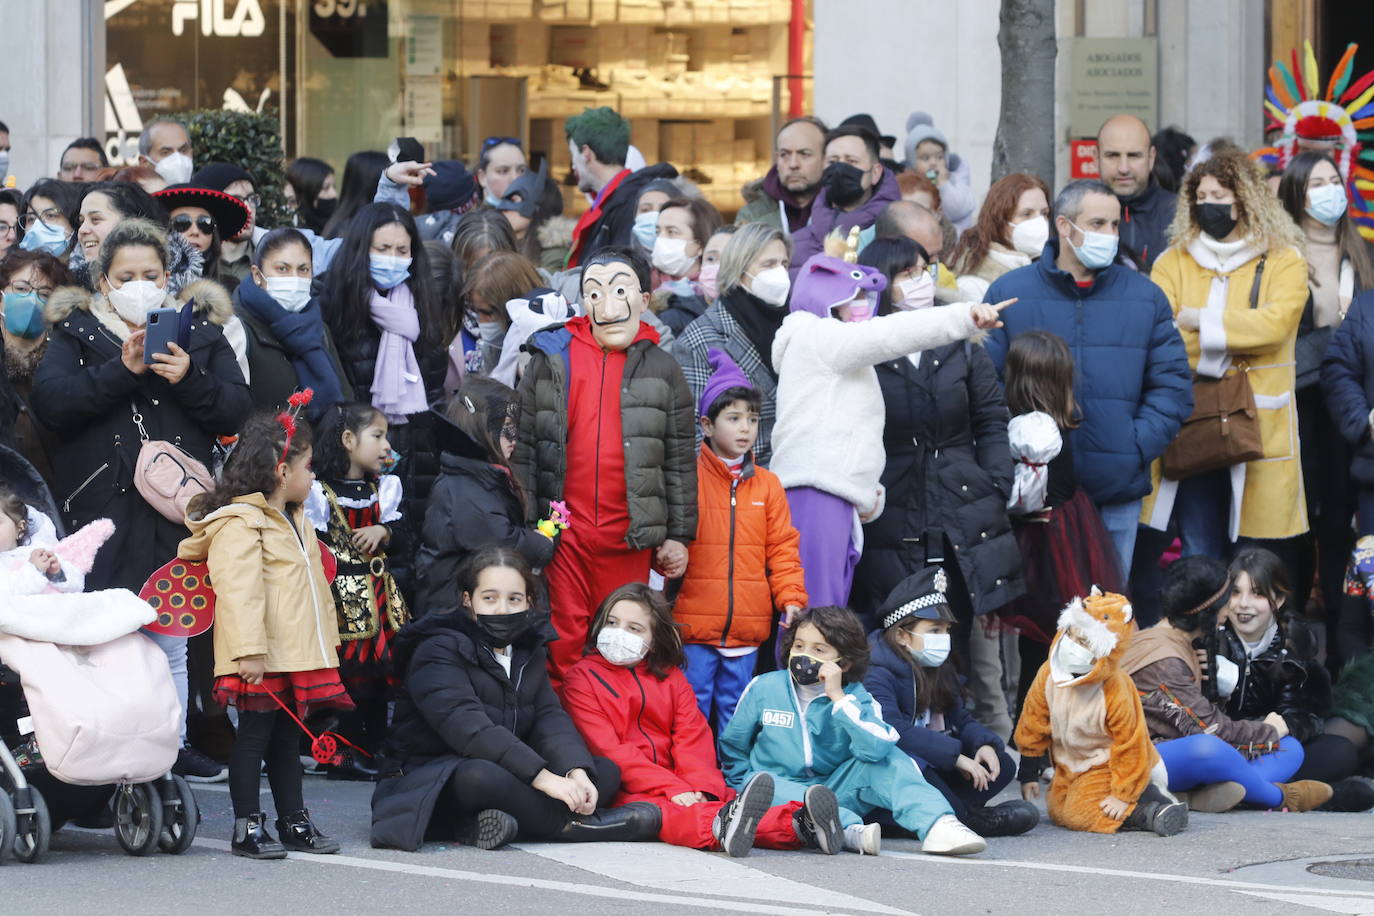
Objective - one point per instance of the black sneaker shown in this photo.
(736, 823)
(818, 822)
(1353, 794)
(490, 829)
(194, 766)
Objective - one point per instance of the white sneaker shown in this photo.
(865, 839)
(949, 837)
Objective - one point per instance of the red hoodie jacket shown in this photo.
(651, 728)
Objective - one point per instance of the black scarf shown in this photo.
(759, 321)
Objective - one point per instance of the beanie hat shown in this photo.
(451, 187)
(917, 117)
(665, 185)
(725, 374)
(919, 134)
(219, 175)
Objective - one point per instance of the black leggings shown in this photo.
(1328, 758)
(480, 784)
(272, 737)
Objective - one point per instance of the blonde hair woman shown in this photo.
(1237, 282)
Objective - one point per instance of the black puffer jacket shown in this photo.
(1284, 678)
(948, 474)
(83, 392)
(473, 504)
(618, 211)
(456, 702)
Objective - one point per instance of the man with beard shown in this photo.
(790, 187)
(27, 279)
(855, 188)
(599, 140)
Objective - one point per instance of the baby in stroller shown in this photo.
(89, 705)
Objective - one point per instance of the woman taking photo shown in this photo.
(1237, 284)
(754, 284)
(1011, 231)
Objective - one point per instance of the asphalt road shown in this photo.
(1223, 862)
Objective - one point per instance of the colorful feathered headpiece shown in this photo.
(1343, 116)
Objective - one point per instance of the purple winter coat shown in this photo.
(825, 219)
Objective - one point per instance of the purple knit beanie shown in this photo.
(725, 374)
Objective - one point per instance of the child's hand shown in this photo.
(252, 668)
(988, 316)
(987, 757)
(1113, 807)
(971, 770)
(370, 538)
(1030, 790)
(589, 793)
(833, 678)
(788, 612)
(1278, 723)
(1201, 655)
(46, 562)
(688, 799)
(671, 559)
(866, 517)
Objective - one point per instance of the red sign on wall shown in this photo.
(1083, 159)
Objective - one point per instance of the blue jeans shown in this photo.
(174, 647)
(1202, 510)
(718, 681)
(1197, 760)
(1121, 521)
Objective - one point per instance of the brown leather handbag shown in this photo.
(1223, 430)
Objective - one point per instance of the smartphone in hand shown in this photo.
(165, 326)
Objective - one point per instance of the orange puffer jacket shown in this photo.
(744, 561)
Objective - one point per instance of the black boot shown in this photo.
(351, 767)
(299, 834)
(1352, 794)
(635, 822)
(252, 841)
(1011, 818)
(1154, 811)
(490, 829)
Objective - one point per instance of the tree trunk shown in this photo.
(1025, 127)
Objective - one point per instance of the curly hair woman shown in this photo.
(1237, 282)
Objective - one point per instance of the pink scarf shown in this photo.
(397, 388)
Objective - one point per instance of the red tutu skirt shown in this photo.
(1062, 557)
(307, 690)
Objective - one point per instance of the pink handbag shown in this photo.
(166, 477)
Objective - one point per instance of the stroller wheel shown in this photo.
(180, 815)
(33, 829)
(138, 818)
(8, 827)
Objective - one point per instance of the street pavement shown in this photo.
(1222, 863)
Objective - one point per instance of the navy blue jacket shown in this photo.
(891, 682)
(1348, 383)
(1131, 377)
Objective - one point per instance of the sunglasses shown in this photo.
(497, 141)
(183, 223)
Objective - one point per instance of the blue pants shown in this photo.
(1121, 521)
(175, 649)
(1202, 510)
(1201, 759)
(892, 784)
(718, 681)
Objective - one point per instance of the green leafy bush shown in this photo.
(250, 141)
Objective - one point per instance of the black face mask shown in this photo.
(500, 630)
(843, 183)
(805, 669)
(1215, 220)
(325, 206)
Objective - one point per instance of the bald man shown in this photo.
(905, 218)
(1125, 162)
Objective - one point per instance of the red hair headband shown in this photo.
(288, 417)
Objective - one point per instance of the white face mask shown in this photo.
(670, 256)
(175, 168)
(1029, 237)
(491, 332)
(291, 293)
(934, 651)
(917, 292)
(1074, 658)
(1228, 675)
(621, 647)
(135, 299)
(4, 164)
(771, 285)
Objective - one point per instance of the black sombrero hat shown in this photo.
(230, 213)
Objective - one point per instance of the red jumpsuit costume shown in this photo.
(654, 731)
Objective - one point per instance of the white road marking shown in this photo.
(209, 787)
(1353, 905)
(1217, 882)
(564, 887)
(679, 870)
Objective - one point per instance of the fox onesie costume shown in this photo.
(1091, 724)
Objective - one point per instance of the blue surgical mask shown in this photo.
(491, 199)
(646, 229)
(387, 270)
(1327, 204)
(42, 237)
(24, 315)
(934, 650)
(1098, 249)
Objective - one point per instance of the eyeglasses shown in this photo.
(182, 224)
(23, 288)
(252, 201)
(85, 168)
(7, 228)
(497, 141)
(52, 216)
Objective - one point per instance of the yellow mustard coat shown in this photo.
(1272, 503)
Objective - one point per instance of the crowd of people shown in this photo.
(781, 532)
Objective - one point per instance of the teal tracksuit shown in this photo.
(844, 746)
